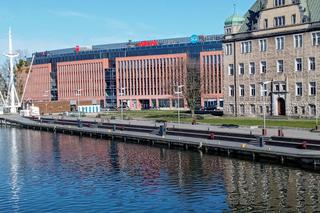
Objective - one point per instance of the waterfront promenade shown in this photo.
(232, 144)
(254, 130)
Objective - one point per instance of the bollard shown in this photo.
(161, 130)
(80, 125)
(264, 132)
(261, 141)
(304, 145)
(280, 133)
(211, 136)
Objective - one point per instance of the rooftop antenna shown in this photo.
(12, 102)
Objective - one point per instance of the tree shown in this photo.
(20, 68)
(192, 88)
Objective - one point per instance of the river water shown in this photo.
(43, 172)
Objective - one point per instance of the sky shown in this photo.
(40, 25)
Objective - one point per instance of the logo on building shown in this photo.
(77, 49)
(194, 39)
(147, 43)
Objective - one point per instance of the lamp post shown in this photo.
(317, 113)
(78, 94)
(265, 91)
(46, 94)
(178, 92)
(122, 93)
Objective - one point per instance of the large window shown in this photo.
(263, 45)
(299, 64)
(231, 106)
(241, 69)
(231, 90)
(252, 90)
(278, 3)
(279, 21)
(242, 109)
(241, 90)
(252, 68)
(228, 49)
(263, 89)
(279, 43)
(252, 109)
(246, 47)
(294, 19)
(280, 66)
(298, 41)
(263, 67)
(313, 109)
(231, 69)
(312, 63)
(298, 89)
(316, 39)
(164, 103)
(312, 88)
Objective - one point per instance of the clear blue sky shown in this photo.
(52, 24)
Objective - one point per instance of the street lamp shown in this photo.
(316, 105)
(46, 94)
(78, 94)
(265, 91)
(178, 92)
(122, 93)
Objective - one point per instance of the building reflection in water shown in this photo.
(73, 165)
(14, 170)
(269, 187)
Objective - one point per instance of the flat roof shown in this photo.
(132, 44)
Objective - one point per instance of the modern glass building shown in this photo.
(65, 63)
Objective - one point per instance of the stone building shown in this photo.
(272, 59)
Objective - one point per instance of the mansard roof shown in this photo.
(309, 8)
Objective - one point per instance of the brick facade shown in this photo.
(87, 76)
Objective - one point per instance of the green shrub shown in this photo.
(199, 117)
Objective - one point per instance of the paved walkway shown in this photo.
(291, 133)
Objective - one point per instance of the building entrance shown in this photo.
(145, 104)
(281, 107)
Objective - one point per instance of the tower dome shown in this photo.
(235, 19)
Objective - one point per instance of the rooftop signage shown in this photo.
(77, 49)
(147, 43)
(194, 39)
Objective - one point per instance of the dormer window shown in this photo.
(265, 23)
(279, 3)
(279, 21)
(294, 19)
(228, 31)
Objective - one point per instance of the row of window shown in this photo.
(264, 90)
(302, 111)
(246, 46)
(280, 66)
(278, 3)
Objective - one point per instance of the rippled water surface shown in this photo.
(42, 172)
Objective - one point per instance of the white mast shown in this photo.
(12, 100)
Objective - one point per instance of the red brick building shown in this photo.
(38, 86)
(139, 75)
(88, 76)
(211, 71)
(148, 81)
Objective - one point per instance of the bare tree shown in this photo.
(192, 88)
(21, 68)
